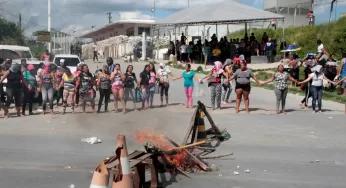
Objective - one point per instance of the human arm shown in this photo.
(340, 67)
(179, 77)
(291, 78)
(256, 80)
(112, 75)
(338, 82)
(99, 80)
(269, 80)
(307, 80)
(171, 75)
(77, 82)
(208, 75)
(4, 75)
(324, 77)
(58, 86)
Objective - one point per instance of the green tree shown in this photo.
(10, 33)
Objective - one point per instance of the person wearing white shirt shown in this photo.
(163, 74)
(320, 49)
(317, 78)
(183, 51)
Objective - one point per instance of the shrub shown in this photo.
(332, 35)
(199, 69)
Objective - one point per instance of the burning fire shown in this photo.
(181, 160)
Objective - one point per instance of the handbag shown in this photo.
(138, 94)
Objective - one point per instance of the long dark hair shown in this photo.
(145, 67)
(127, 69)
(153, 67)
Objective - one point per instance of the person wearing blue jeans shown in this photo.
(317, 92)
(317, 78)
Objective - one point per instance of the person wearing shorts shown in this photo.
(117, 77)
(242, 86)
(14, 88)
(85, 83)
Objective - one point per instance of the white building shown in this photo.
(133, 27)
(295, 11)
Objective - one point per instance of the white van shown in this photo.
(16, 53)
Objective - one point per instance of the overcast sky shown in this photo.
(78, 16)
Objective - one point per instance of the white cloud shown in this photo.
(78, 16)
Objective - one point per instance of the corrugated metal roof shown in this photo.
(224, 12)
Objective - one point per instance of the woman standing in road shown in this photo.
(104, 86)
(85, 82)
(152, 85)
(143, 83)
(29, 94)
(76, 74)
(226, 84)
(188, 76)
(215, 84)
(308, 64)
(47, 85)
(243, 87)
(130, 80)
(118, 88)
(316, 87)
(162, 75)
(68, 83)
(281, 87)
(15, 79)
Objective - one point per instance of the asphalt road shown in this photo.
(300, 149)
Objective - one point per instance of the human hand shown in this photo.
(38, 89)
(29, 87)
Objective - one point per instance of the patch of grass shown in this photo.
(331, 34)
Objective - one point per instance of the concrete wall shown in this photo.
(121, 29)
(286, 3)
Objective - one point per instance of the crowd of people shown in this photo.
(220, 50)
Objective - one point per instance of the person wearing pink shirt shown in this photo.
(152, 84)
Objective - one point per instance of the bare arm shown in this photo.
(292, 79)
(256, 80)
(307, 80)
(99, 80)
(4, 75)
(337, 83)
(209, 75)
(269, 80)
(171, 75)
(77, 82)
(324, 77)
(340, 67)
(112, 76)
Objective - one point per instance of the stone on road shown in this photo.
(300, 149)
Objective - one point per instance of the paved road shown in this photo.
(279, 150)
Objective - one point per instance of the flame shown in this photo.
(181, 160)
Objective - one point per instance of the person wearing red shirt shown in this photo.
(45, 56)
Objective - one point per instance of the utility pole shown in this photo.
(331, 10)
(109, 17)
(20, 21)
(49, 43)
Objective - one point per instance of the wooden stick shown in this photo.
(190, 145)
(217, 156)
